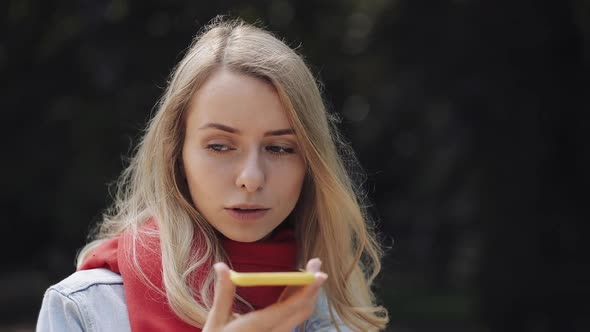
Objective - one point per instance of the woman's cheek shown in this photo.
(292, 176)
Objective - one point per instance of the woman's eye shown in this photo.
(280, 150)
(218, 147)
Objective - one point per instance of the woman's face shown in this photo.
(241, 157)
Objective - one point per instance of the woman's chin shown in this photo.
(246, 238)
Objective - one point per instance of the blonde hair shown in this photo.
(330, 220)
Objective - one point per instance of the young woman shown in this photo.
(239, 168)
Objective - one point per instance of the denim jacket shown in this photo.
(94, 300)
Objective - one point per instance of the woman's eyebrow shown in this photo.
(220, 127)
(278, 132)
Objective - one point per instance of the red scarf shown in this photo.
(149, 310)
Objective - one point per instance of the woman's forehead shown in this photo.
(238, 101)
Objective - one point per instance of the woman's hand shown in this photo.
(295, 305)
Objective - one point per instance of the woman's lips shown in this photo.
(247, 214)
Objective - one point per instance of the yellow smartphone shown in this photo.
(246, 279)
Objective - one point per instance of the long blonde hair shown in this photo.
(330, 220)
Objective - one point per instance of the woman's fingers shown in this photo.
(297, 304)
(223, 299)
(284, 316)
(303, 300)
(313, 265)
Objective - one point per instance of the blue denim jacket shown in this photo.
(94, 300)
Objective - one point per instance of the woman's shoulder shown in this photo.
(81, 281)
(82, 301)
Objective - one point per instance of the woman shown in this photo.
(240, 166)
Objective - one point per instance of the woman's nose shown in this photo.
(251, 173)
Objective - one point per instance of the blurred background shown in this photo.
(469, 117)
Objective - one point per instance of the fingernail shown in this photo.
(217, 266)
(321, 276)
